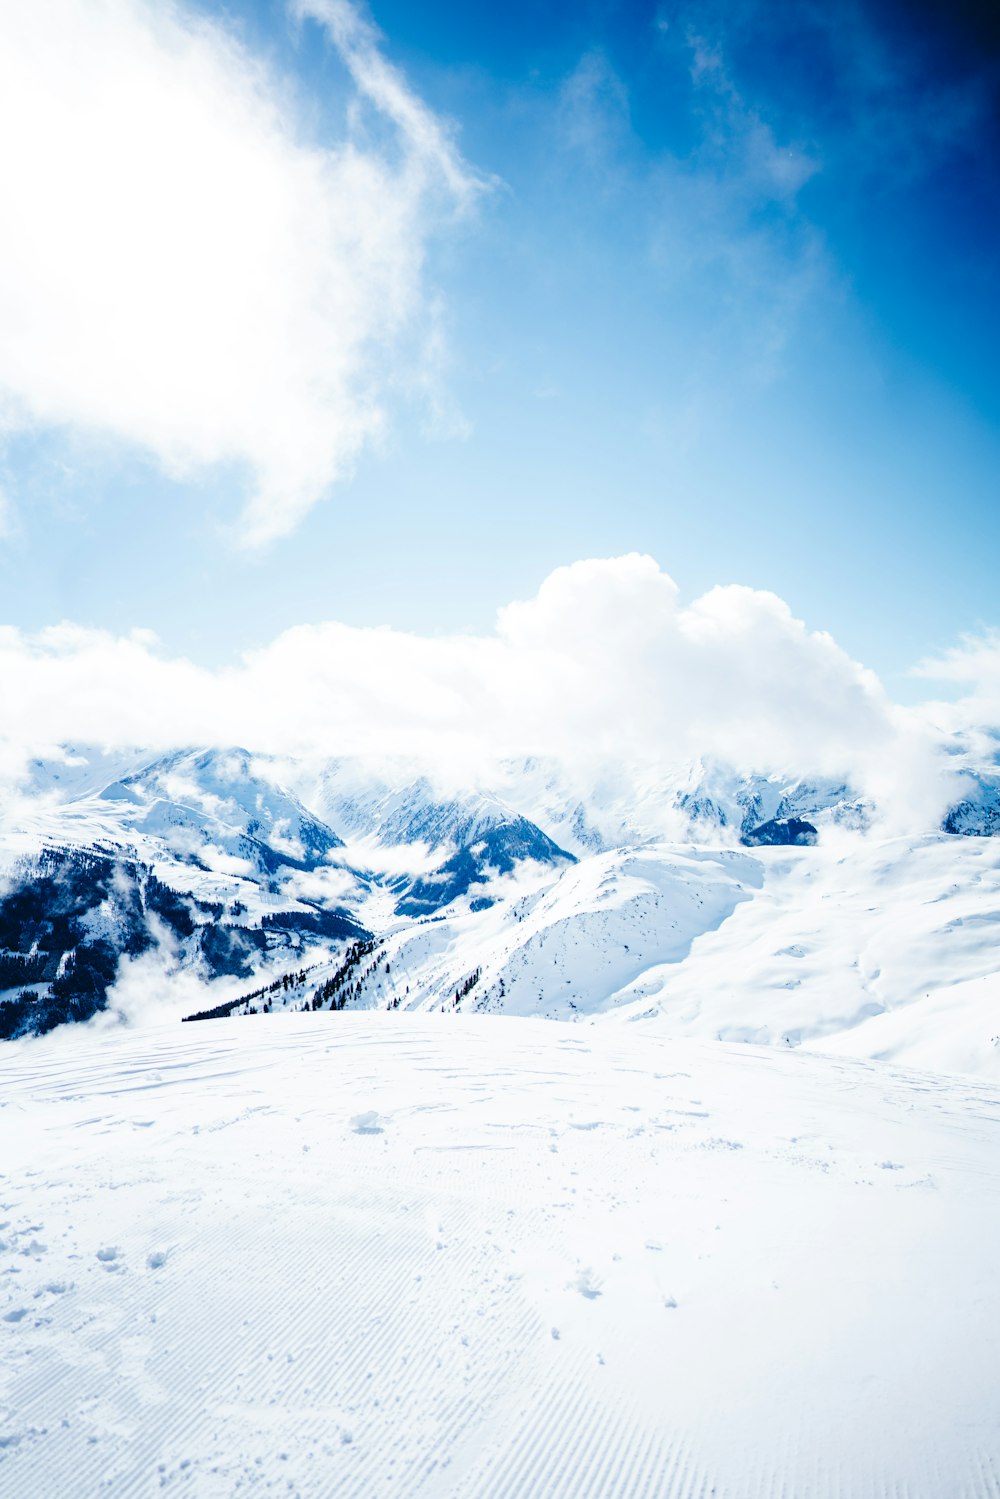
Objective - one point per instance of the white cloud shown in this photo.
(973, 664)
(155, 988)
(604, 662)
(971, 669)
(429, 145)
(180, 270)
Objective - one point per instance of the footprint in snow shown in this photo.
(587, 1285)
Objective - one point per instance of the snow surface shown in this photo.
(874, 948)
(404, 1255)
(705, 1239)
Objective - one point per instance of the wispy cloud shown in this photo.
(184, 272)
(732, 212)
(427, 143)
(789, 124)
(713, 208)
(875, 87)
(737, 145)
(593, 107)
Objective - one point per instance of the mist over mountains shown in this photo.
(563, 895)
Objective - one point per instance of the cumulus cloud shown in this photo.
(183, 271)
(604, 661)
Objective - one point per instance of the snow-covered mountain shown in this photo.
(554, 893)
(433, 845)
(395, 807)
(194, 803)
(228, 814)
(196, 853)
(978, 812)
(887, 950)
(206, 854)
(590, 810)
(573, 946)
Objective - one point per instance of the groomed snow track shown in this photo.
(370, 1257)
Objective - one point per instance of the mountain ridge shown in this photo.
(272, 865)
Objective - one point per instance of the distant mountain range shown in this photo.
(559, 894)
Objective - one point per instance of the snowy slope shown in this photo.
(879, 948)
(568, 946)
(463, 1258)
(81, 770)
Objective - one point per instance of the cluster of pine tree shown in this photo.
(21, 968)
(285, 982)
(467, 986)
(346, 983)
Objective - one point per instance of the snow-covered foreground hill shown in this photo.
(881, 948)
(874, 948)
(404, 1255)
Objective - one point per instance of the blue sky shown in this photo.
(717, 282)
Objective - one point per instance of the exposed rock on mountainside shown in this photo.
(497, 852)
(788, 831)
(978, 814)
